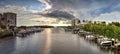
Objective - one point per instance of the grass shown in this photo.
(5, 33)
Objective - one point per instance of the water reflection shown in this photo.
(52, 41)
(48, 41)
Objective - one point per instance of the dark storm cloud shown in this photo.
(74, 4)
(59, 14)
(61, 4)
(86, 8)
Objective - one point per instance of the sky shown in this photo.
(36, 12)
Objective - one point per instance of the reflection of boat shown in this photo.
(75, 31)
(68, 30)
(20, 35)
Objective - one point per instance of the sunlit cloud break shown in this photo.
(102, 10)
(46, 2)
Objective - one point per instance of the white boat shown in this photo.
(106, 43)
(90, 37)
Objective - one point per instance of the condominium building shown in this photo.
(0, 20)
(0, 17)
(75, 22)
(9, 20)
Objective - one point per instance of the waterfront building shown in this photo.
(9, 20)
(0, 20)
(76, 22)
(0, 17)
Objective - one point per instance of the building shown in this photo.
(0, 20)
(75, 25)
(75, 22)
(0, 17)
(9, 20)
(97, 22)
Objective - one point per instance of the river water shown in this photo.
(50, 41)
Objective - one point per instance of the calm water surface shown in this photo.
(50, 41)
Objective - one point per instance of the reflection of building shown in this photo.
(9, 20)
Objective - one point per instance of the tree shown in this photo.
(116, 23)
(111, 30)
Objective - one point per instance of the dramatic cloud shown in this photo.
(13, 8)
(24, 15)
(105, 10)
(59, 14)
(47, 5)
(85, 9)
(109, 17)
